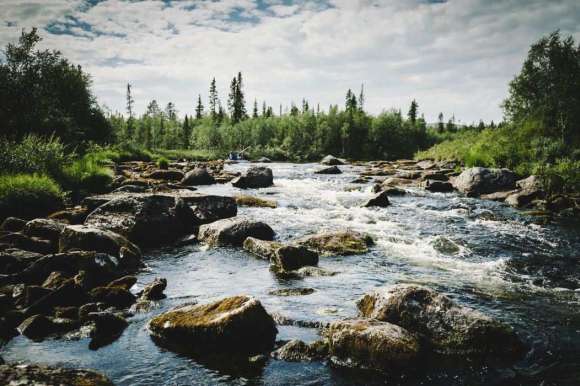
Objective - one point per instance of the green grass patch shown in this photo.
(86, 175)
(29, 196)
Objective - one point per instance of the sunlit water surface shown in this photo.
(489, 236)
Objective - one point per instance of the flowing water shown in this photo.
(520, 269)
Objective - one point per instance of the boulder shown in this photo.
(198, 176)
(246, 200)
(426, 164)
(27, 243)
(55, 280)
(236, 324)
(125, 282)
(68, 294)
(285, 257)
(167, 175)
(108, 327)
(112, 296)
(27, 375)
(38, 327)
(371, 344)
(379, 200)
(522, 198)
(233, 232)
(408, 174)
(264, 160)
(438, 186)
(393, 192)
(329, 170)
(396, 181)
(498, 196)
(12, 224)
(477, 181)
(337, 243)
(331, 161)
(146, 220)
(131, 189)
(450, 328)
(292, 292)
(255, 177)
(298, 351)
(154, 290)
(88, 238)
(71, 216)
(559, 203)
(44, 228)
(530, 183)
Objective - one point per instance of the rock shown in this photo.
(38, 327)
(426, 164)
(131, 189)
(233, 232)
(438, 186)
(522, 198)
(44, 228)
(477, 181)
(395, 181)
(167, 175)
(337, 243)
(371, 344)
(12, 224)
(264, 160)
(55, 280)
(108, 328)
(498, 196)
(285, 257)
(531, 183)
(125, 282)
(88, 238)
(236, 324)
(198, 176)
(390, 191)
(298, 351)
(70, 312)
(559, 203)
(27, 243)
(67, 295)
(445, 246)
(25, 295)
(329, 170)
(154, 290)
(331, 160)
(14, 260)
(292, 292)
(408, 174)
(310, 271)
(434, 175)
(379, 200)
(244, 200)
(28, 375)
(89, 308)
(72, 216)
(255, 177)
(146, 220)
(449, 327)
(112, 296)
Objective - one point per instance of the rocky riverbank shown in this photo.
(74, 272)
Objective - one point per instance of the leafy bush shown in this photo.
(34, 154)
(29, 195)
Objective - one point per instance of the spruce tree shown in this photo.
(186, 133)
(213, 101)
(199, 108)
(440, 124)
(361, 97)
(412, 114)
(130, 129)
(255, 112)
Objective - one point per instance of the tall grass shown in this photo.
(29, 195)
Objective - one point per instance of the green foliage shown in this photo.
(86, 175)
(28, 196)
(34, 154)
(162, 163)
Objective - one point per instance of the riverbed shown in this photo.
(517, 267)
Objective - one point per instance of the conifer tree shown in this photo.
(255, 112)
(264, 108)
(213, 100)
(130, 129)
(199, 108)
(186, 133)
(412, 114)
(361, 98)
(440, 124)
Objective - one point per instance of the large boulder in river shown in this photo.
(285, 257)
(371, 344)
(233, 232)
(477, 181)
(450, 328)
(44, 228)
(437, 186)
(337, 243)
(255, 177)
(329, 170)
(331, 161)
(237, 324)
(146, 220)
(198, 176)
(379, 200)
(87, 238)
(27, 375)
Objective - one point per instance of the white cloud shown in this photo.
(456, 57)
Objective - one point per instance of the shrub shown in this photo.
(86, 175)
(34, 154)
(162, 163)
(29, 196)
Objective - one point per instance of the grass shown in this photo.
(163, 163)
(86, 175)
(29, 196)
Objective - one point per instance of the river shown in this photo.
(516, 267)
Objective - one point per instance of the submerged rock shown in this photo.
(233, 232)
(477, 181)
(329, 170)
(337, 243)
(198, 176)
(292, 292)
(254, 201)
(437, 186)
(379, 200)
(154, 290)
(331, 160)
(371, 344)
(28, 375)
(108, 327)
(236, 324)
(298, 351)
(449, 327)
(286, 257)
(255, 177)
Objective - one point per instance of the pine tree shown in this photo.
(171, 112)
(350, 104)
(264, 108)
(213, 100)
(236, 103)
(255, 112)
(361, 98)
(199, 108)
(130, 129)
(412, 114)
(440, 125)
(305, 106)
(186, 133)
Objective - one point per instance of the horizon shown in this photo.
(452, 57)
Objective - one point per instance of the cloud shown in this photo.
(455, 56)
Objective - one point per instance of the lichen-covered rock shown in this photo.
(379, 200)
(337, 243)
(233, 232)
(285, 257)
(477, 181)
(32, 375)
(329, 170)
(198, 176)
(236, 324)
(244, 200)
(522, 198)
(88, 238)
(299, 351)
(437, 186)
(450, 328)
(45, 229)
(71, 216)
(396, 181)
(154, 290)
(255, 177)
(331, 161)
(371, 344)
(292, 292)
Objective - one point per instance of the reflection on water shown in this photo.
(483, 254)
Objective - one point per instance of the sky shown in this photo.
(455, 56)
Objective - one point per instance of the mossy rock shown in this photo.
(337, 243)
(253, 201)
